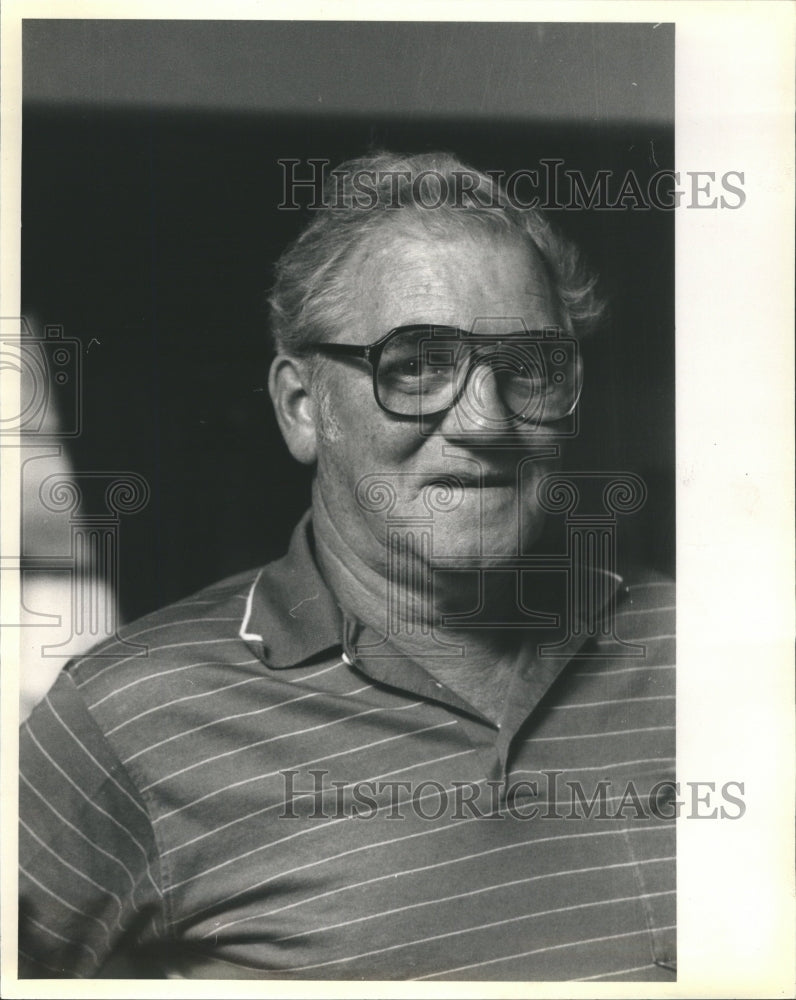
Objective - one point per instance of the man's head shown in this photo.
(417, 251)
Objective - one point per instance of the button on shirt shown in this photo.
(236, 789)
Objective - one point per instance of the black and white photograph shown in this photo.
(351, 449)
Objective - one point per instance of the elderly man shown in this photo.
(416, 747)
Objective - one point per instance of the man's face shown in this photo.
(407, 277)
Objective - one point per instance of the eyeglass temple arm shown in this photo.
(346, 350)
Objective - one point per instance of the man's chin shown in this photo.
(465, 526)
(482, 545)
(488, 523)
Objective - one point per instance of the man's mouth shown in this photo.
(499, 478)
(470, 479)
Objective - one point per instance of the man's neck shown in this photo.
(366, 594)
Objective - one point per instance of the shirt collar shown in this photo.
(291, 615)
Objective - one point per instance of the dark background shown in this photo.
(150, 225)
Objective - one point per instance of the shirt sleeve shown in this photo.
(89, 872)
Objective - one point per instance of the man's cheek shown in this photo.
(329, 430)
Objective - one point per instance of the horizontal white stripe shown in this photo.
(625, 670)
(230, 718)
(81, 874)
(621, 798)
(99, 809)
(126, 636)
(618, 972)
(594, 736)
(281, 805)
(397, 840)
(613, 701)
(605, 766)
(218, 596)
(155, 649)
(301, 833)
(301, 678)
(414, 871)
(37, 961)
(94, 760)
(303, 763)
(279, 736)
(538, 951)
(165, 673)
(66, 903)
(467, 895)
(480, 927)
(639, 638)
(49, 930)
(654, 609)
(214, 692)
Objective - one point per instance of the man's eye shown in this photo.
(414, 368)
(520, 370)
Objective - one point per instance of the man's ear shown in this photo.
(288, 383)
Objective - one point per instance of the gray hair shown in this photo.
(308, 300)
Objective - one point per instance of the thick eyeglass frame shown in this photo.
(371, 353)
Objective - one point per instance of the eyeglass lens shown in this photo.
(421, 372)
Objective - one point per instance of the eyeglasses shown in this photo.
(423, 370)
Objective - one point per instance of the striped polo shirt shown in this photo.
(250, 795)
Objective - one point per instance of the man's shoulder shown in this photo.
(648, 590)
(161, 648)
(646, 609)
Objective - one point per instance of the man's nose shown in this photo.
(480, 412)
